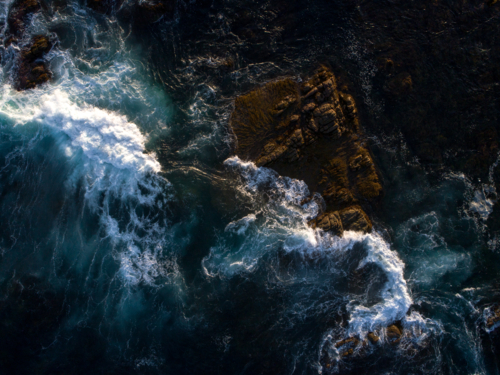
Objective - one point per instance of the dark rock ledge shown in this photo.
(32, 69)
(311, 132)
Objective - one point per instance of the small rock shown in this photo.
(330, 222)
(400, 85)
(327, 117)
(329, 128)
(494, 317)
(309, 107)
(394, 334)
(373, 338)
(359, 162)
(285, 103)
(349, 340)
(348, 353)
(354, 218)
(349, 105)
(306, 88)
(322, 109)
(313, 125)
(311, 93)
(296, 139)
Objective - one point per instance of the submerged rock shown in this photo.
(20, 15)
(311, 132)
(400, 85)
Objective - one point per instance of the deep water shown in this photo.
(132, 241)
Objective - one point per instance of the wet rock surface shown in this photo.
(493, 317)
(20, 14)
(311, 132)
(32, 69)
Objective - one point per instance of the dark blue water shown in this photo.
(132, 242)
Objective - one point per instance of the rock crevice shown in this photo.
(311, 132)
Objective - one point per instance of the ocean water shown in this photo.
(132, 241)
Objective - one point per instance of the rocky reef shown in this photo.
(310, 131)
(20, 14)
(32, 69)
(492, 317)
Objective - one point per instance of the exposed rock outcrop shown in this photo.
(493, 317)
(311, 132)
(32, 69)
(20, 14)
(394, 333)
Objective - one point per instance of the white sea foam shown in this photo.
(485, 196)
(481, 204)
(290, 191)
(108, 154)
(103, 136)
(286, 222)
(241, 226)
(396, 298)
(487, 314)
(4, 12)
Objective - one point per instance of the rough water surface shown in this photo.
(133, 241)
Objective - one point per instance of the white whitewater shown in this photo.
(107, 152)
(285, 221)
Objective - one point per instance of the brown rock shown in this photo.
(373, 338)
(348, 345)
(319, 144)
(400, 85)
(329, 222)
(33, 72)
(350, 340)
(350, 105)
(348, 352)
(306, 88)
(494, 317)
(20, 14)
(360, 161)
(285, 103)
(309, 107)
(338, 197)
(311, 93)
(354, 218)
(322, 109)
(313, 125)
(394, 334)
